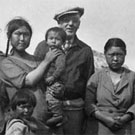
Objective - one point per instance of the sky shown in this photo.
(102, 19)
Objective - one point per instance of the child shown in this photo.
(110, 94)
(55, 38)
(21, 122)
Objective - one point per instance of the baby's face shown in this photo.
(54, 39)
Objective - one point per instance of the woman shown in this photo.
(110, 94)
(22, 71)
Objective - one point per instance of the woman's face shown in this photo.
(115, 58)
(20, 39)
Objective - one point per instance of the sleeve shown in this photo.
(91, 94)
(16, 128)
(4, 99)
(12, 74)
(41, 50)
(89, 63)
(132, 108)
(60, 66)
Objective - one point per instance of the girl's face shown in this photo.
(20, 39)
(115, 58)
(54, 39)
(24, 110)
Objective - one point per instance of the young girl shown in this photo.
(110, 94)
(21, 121)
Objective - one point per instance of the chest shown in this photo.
(107, 91)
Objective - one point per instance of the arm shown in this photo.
(59, 69)
(60, 66)
(34, 76)
(89, 69)
(91, 95)
(130, 114)
(19, 75)
(90, 102)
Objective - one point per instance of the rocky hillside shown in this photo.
(99, 60)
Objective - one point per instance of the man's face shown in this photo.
(70, 23)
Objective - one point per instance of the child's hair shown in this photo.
(15, 24)
(23, 97)
(58, 30)
(115, 42)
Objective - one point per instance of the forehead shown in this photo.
(115, 49)
(53, 33)
(22, 29)
(70, 16)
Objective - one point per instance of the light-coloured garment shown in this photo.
(101, 95)
(16, 127)
(13, 72)
(32, 126)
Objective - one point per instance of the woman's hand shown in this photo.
(122, 120)
(108, 121)
(35, 76)
(52, 54)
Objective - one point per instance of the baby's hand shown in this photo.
(49, 80)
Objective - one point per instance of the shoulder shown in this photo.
(85, 49)
(129, 73)
(41, 49)
(98, 74)
(81, 43)
(16, 126)
(6, 61)
(84, 45)
(42, 45)
(15, 123)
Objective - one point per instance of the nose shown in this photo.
(26, 109)
(54, 40)
(115, 58)
(21, 37)
(70, 22)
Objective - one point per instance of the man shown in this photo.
(79, 67)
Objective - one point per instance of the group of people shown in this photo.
(56, 91)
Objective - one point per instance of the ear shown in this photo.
(79, 24)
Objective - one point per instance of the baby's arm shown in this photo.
(60, 66)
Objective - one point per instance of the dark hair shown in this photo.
(15, 24)
(23, 97)
(59, 30)
(115, 42)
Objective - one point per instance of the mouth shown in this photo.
(21, 42)
(115, 64)
(70, 29)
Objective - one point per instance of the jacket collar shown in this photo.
(109, 85)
